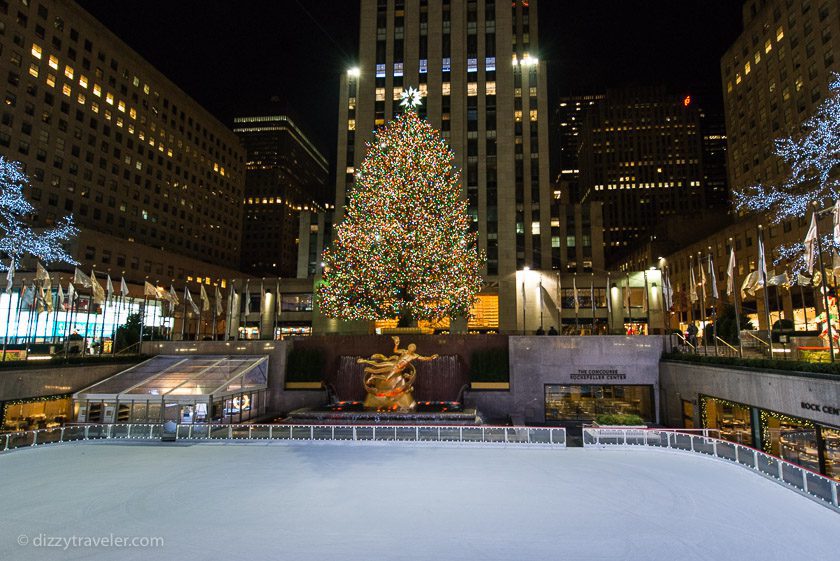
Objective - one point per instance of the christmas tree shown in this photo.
(19, 239)
(404, 249)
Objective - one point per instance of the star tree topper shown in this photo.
(411, 98)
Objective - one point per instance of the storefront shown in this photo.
(586, 403)
(795, 439)
(36, 413)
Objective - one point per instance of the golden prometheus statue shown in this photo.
(389, 381)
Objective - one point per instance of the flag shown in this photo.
(692, 285)
(835, 214)
(762, 261)
(60, 295)
(730, 273)
(173, 298)
(41, 273)
(247, 297)
(98, 293)
(667, 291)
(71, 294)
(29, 296)
(109, 287)
(219, 307)
(702, 277)
(810, 245)
(713, 277)
(277, 297)
(802, 280)
(779, 280)
(80, 278)
(10, 276)
(609, 296)
(123, 287)
(205, 300)
(150, 290)
(575, 293)
(188, 299)
(750, 284)
(645, 297)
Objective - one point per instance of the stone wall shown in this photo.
(31, 382)
(781, 392)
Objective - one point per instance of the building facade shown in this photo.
(107, 138)
(285, 175)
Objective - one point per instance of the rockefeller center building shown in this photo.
(153, 180)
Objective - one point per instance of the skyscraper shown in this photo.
(285, 175)
(476, 63)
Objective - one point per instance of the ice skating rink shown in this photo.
(334, 502)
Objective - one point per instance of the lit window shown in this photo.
(68, 71)
(517, 116)
(380, 94)
(97, 91)
(757, 57)
(535, 228)
(119, 121)
(36, 51)
(446, 88)
(424, 66)
(351, 124)
(472, 89)
(533, 115)
(132, 113)
(799, 83)
(121, 106)
(490, 64)
(738, 78)
(145, 88)
(53, 62)
(490, 88)
(81, 98)
(780, 33)
(398, 69)
(94, 107)
(747, 68)
(108, 114)
(350, 170)
(83, 81)
(109, 98)
(397, 94)
(472, 65)
(380, 70)
(136, 81)
(729, 86)
(33, 70)
(65, 90)
(768, 46)
(447, 64)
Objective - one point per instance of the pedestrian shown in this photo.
(552, 331)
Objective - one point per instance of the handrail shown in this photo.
(809, 483)
(725, 343)
(684, 340)
(759, 339)
(131, 346)
(551, 437)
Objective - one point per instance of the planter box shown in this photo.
(304, 385)
(493, 386)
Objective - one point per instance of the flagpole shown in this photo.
(735, 292)
(703, 321)
(647, 299)
(629, 309)
(104, 314)
(184, 320)
(200, 313)
(666, 309)
(87, 316)
(55, 310)
(577, 305)
(825, 291)
(68, 325)
(609, 304)
(713, 278)
(276, 309)
(229, 319)
(539, 289)
(763, 272)
(143, 316)
(592, 301)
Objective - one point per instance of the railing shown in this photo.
(753, 339)
(813, 485)
(684, 341)
(552, 437)
(730, 349)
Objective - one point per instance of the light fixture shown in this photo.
(354, 72)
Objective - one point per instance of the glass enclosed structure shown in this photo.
(184, 389)
(586, 402)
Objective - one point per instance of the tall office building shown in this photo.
(285, 175)
(476, 63)
(153, 180)
(569, 118)
(641, 156)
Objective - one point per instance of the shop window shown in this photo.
(731, 419)
(790, 438)
(587, 402)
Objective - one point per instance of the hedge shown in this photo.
(758, 363)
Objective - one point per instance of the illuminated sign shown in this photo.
(687, 100)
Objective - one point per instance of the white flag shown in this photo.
(810, 245)
(60, 295)
(41, 273)
(98, 293)
(713, 277)
(779, 280)
(188, 299)
(609, 297)
(836, 219)
(247, 297)
(205, 301)
(80, 278)
(123, 287)
(71, 293)
(219, 306)
(762, 262)
(575, 293)
(109, 287)
(173, 298)
(750, 284)
(668, 292)
(702, 277)
(730, 273)
(692, 284)
(10, 277)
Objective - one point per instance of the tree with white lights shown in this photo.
(19, 239)
(813, 158)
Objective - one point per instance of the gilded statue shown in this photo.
(389, 380)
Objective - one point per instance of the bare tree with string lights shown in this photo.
(813, 159)
(404, 249)
(19, 239)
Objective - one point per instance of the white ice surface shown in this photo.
(325, 502)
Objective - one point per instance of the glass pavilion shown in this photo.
(184, 389)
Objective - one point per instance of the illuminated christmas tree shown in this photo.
(404, 249)
(812, 157)
(19, 239)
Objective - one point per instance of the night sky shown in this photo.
(232, 56)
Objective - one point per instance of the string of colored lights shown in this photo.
(404, 246)
(19, 239)
(812, 157)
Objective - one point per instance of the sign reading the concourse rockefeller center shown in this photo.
(597, 374)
